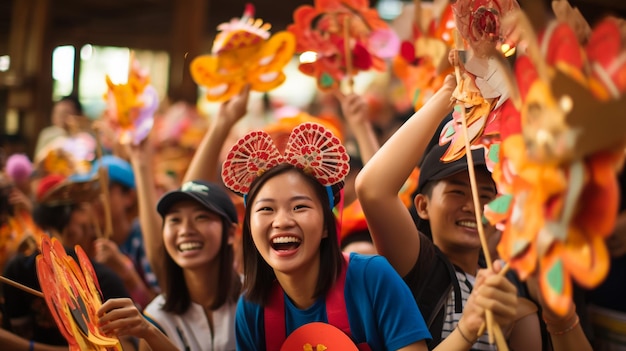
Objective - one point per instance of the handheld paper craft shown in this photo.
(557, 169)
(243, 53)
(72, 293)
(344, 36)
(422, 63)
(131, 106)
(482, 89)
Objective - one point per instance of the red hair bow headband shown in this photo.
(310, 147)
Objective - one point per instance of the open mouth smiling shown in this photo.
(190, 246)
(467, 224)
(285, 243)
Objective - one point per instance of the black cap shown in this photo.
(432, 168)
(210, 195)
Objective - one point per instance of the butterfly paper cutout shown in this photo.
(243, 54)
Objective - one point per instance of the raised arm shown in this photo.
(355, 111)
(205, 162)
(141, 159)
(378, 184)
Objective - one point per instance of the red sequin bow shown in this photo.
(310, 147)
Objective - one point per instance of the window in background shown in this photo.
(62, 71)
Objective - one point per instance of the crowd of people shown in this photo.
(186, 264)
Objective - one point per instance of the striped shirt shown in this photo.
(466, 282)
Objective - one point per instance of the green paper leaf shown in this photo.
(501, 204)
(326, 80)
(555, 277)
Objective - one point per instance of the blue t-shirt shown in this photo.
(381, 310)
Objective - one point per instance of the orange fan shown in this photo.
(73, 296)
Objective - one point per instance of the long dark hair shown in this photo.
(259, 276)
(177, 299)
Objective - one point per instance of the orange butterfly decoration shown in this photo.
(243, 54)
(323, 29)
(73, 295)
(557, 169)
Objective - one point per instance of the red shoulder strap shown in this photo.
(274, 311)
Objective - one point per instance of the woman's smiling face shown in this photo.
(287, 223)
(192, 234)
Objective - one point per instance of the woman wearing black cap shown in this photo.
(196, 311)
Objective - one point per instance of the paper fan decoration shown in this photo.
(557, 170)
(249, 158)
(316, 150)
(131, 106)
(318, 336)
(73, 296)
(422, 62)
(310, 147)
(321, 31)
(243, 53)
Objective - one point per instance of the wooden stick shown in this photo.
(476, 200)
(20, 286)
(348, 53)
(504, 270)
(103, 177)
(417, 16)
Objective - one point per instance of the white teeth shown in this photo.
(189, 246)
(285, 240)
(468, 224)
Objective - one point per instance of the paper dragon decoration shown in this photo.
(422, 63)
(482, 89)
(243, 54)
(73, 295)
(131, 106)
(345, 37)
(561, 148)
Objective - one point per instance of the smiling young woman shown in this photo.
(295, 275)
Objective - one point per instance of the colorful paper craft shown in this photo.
(323, 29)
(131, 106)
(243, 54)
(557, 169)
(73, 296)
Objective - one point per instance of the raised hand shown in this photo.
(234, 109)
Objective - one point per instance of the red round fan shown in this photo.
(318, 336)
